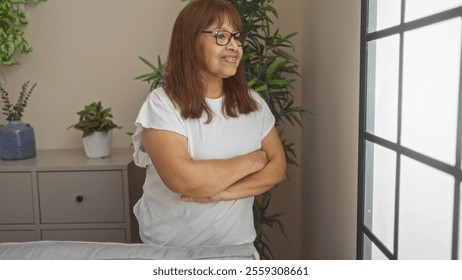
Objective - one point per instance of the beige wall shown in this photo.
(88, 50)
(319, 202)
(84, 51)
(330, 140)
(286, 197)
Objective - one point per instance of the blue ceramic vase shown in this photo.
(17, 141)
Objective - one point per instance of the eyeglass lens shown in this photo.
(224, 37)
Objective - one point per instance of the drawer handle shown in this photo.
(79, 198)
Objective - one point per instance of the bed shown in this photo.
(73, 250)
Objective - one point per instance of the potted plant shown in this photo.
(96, 125)
(268, 62)
(17, 139)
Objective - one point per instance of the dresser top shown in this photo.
(69, 159)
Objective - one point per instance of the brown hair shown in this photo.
(181, 80)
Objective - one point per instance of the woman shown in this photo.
(208, 142)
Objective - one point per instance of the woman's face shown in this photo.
(219, 61)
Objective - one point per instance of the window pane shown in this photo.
(380, 193)
(426, 212)
(382, 87)
(383, 14)
(372, 252)
(430, 89)
(416, 9)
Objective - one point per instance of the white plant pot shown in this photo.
(98, 145)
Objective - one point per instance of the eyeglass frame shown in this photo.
(231, 37)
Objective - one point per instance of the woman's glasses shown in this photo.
(223, 37)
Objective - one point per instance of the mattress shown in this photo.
(72, 250)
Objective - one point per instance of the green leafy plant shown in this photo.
(154, 77)
(12, 20)
(14, 112)
(272, 70)
(94, 117)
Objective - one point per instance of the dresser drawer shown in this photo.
(95, 235)
(81, 197)
(17, 235)
(16, 206)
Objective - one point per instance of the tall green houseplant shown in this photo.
(272, 70)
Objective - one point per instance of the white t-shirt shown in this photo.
(164, 219)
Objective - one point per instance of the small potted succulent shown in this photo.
(96, 125)
(17, 139)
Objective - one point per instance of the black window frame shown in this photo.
(364, 136)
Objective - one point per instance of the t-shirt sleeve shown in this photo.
(156, 112)
(267, 117)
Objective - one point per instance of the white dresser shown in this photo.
(62, 195)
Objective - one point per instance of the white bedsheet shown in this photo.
(72, 250)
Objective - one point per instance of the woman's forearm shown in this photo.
(258, 182)
(205, 178)
(254, 184)
(181, 174)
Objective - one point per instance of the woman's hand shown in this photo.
(260, 159)
(210, 199)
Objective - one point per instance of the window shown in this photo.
(410, 132)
